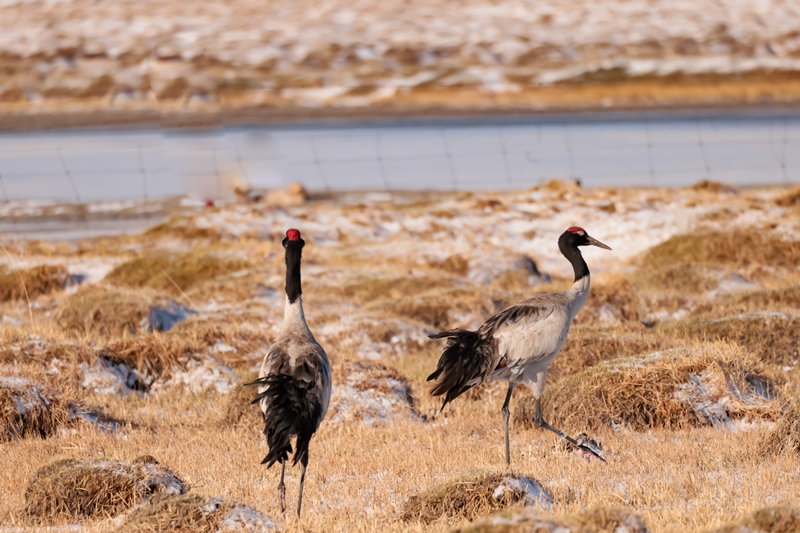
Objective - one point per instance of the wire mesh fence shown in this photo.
(87, 167)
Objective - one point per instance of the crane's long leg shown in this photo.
(506, 414)
(282, 487)
(542, 424)
(303, 465)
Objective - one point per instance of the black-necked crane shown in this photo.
(294, 384)
(518, 344)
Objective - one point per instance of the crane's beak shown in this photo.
(595, 242)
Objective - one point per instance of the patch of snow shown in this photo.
(105, 376)
(371, 395)
(199, 375)
(246, 519)
(165, 315)
(535, 493)
(606, 315)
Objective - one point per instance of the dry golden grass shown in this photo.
(180, 513)
(771, 337)
(94, 488)
(468, 497)
(175, 273)
(741, 249)
(604, 520)
(32, 282)
(30, 408)
(375, 297)
(239, 408)
(785, 438)
(104, 311)
(769, 520)
(642, 393)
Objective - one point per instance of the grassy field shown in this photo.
(683, 364)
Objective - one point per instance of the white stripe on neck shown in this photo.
(293, 313)
(578, 294)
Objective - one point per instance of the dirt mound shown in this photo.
(785, 438)
(768, 520)
(370, 392)
(79, 487)
(473, 496)
(531, 521)
(195, 513)
(717, 384)
(31, 282)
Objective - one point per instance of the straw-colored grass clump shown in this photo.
(469, 497)
(174, 273)
(675, 388)
(80, 487)
(740, 249)
(102, 310)
(768, 520)
(531, 521)
(785, 438)
(192, 513)
(30, 409)
(239, 408)
(32, 282)
(772, 337)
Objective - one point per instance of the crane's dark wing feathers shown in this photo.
(293, 407)
(473, 354)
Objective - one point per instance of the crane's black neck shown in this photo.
(570, 249)
(294, 251)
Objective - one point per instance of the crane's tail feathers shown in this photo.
(290, 408)
(466, 358)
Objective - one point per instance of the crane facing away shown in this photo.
(294, 384)
(518, 344)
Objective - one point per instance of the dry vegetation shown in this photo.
(682, 364)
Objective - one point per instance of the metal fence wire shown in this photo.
(509, 153)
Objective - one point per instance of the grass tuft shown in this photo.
(737, 249)
(32, 282)
(468, 497)
(103, 311)
(666, 389)
(78, 487)
(767, 520)
(175, 273)
(785, 438)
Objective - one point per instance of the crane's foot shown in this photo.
(589, 448)
(282, 496)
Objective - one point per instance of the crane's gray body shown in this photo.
(530, 334)
(297, 353)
